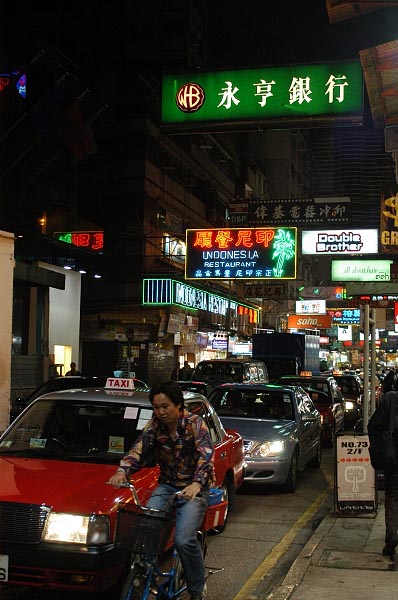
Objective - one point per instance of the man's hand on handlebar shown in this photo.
(118, 478)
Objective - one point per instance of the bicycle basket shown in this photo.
(144, 530)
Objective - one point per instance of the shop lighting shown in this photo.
(96, 276)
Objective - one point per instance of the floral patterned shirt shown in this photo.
(187, 458)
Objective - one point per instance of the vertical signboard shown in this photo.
(389, 220)
(355, 491)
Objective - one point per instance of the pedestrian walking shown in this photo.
(380, 421)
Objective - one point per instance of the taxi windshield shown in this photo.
(64, 429)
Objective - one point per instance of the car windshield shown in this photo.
(213, 371)
(75, 430)
(254, 404)
(349, 386)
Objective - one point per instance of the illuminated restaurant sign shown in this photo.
(295, 93)
(91, 240)
(229, 253)
(361, 270)
(172, 292)
(340, 241)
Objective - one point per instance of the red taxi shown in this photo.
(58, 517)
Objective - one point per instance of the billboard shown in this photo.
(236, 253)
(325, 211)
(340, 241)
(316, 93)
(361, 270)
(389, 221)
(309, 321)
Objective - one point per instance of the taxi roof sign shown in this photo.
(306, 373)
(118, 383)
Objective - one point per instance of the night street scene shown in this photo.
(188, 184)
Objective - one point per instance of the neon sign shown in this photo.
(170, 291)
(248, 253)
(91, 240)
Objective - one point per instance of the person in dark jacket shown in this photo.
(389, 382)
(379, 422)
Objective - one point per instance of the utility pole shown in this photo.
(368, 326)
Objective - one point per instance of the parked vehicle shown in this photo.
(230, 370)
(328, 399)
(280, 426)
(352, 390)
(193, 386)
(287, 353)
(58, 516)
(57, 384)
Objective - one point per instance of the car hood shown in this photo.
(260, 429)
(64, 486)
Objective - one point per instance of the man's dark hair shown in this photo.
(170, 389)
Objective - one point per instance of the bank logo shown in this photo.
(190, 97)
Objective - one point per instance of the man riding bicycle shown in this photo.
(180, 443)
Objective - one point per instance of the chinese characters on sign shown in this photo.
(299, 211)
(296, 92)
(261, 253)
(345, 316)
(91, 240)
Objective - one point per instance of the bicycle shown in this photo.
(152, 532)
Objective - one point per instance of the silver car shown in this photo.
(280, 426)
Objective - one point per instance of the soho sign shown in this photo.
(186, 295)
(341, 241)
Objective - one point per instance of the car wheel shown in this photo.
(228, 496)
(291, 481)
(315, 462)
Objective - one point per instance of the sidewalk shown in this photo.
(343, 560)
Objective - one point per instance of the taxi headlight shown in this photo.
(77, 529)
(268, 449)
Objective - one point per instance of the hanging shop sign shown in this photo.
(389, 220)
(361, 270)
(309, 321)
(90, 240)
(306, 94)
(345, 316)
(333, 211)
(310, 307)
(340, 241)
(163, 292)
(267, 291)
(234, 253)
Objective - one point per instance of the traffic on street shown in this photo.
(265, 533)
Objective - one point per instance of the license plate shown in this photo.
(3, 567)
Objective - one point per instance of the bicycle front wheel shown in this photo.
(134, 586)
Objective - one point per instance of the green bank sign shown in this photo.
(306, 94)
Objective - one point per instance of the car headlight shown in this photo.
(349, 405)
(268, 449)
(77, 529)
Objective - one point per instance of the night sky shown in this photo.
(257, 32)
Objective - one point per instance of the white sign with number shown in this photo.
(3, 567)
(356, 490)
